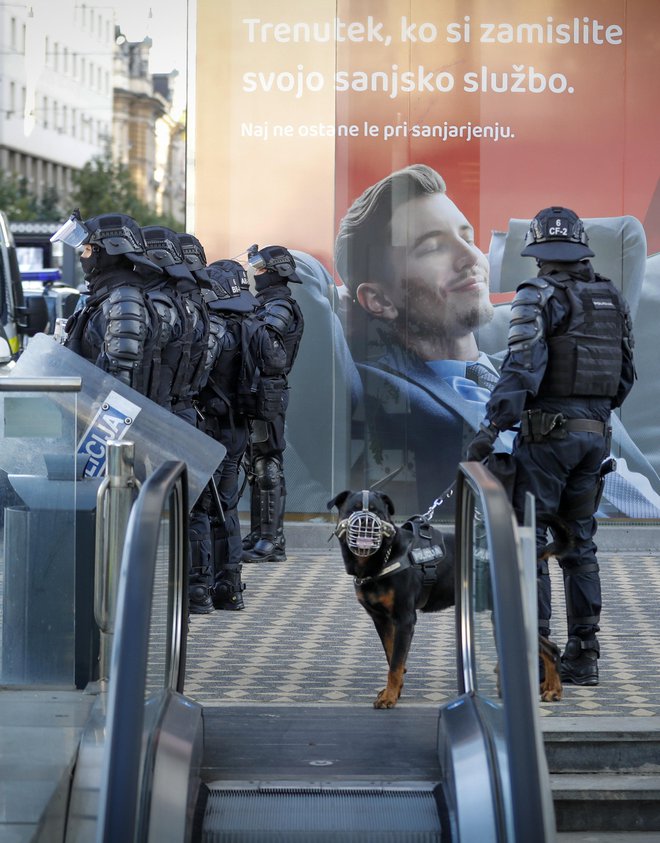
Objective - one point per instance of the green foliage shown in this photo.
(21, 205)
(100, 187)
(103, 186)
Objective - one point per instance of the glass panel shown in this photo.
(47, 543)
(158, 658)
(486, 664)
(455, 87)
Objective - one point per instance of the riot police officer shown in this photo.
(118, 329)
(187, 361)
(274, 268)
(164, 249)
(569, 363)
(230, 304)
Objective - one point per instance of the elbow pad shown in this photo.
(126, 330)
(526, 322)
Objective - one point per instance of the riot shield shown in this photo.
(106, 409)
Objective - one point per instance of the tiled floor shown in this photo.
(303, 639)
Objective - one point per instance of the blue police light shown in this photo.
(42, 275)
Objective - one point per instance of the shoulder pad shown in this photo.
(533, 293)
(525, 325)
(279, 315)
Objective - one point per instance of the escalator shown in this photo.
(474, 770)
(154, 765)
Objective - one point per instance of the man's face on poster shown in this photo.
(439, 279)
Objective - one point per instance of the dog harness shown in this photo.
(422, 551)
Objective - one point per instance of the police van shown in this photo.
(20, 317)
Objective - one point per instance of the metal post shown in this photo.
(114, 501)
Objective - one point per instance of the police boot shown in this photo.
(269, 482)
(227, 591)
(579, 663)
(265, 550)
(254, 535)
(199, 600)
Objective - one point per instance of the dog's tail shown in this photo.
(563, 537)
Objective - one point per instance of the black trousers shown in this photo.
(559, 472)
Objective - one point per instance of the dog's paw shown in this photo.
(385, 699)
(550, 693)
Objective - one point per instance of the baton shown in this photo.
(216, 499)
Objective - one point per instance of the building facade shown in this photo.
(73, 88)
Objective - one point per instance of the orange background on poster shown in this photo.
(595, 150)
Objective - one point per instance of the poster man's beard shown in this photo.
(422, 321)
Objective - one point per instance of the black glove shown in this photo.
(482, 444)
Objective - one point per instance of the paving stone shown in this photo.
(303, 639)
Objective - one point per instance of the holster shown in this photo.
(588, 503)
(537, 426)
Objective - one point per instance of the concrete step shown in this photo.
(610, 802)
(605, 777)
(602, 744)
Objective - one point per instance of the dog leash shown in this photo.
(448, 492)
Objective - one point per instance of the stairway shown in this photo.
(605, 777)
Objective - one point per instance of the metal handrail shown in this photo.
(120, 790)
(508, 595)
(114, 500)
(14, 384)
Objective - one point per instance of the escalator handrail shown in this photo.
(509, 619)
(119, 791)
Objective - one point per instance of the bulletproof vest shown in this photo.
(118, 330)
(218, 395)
(173, 358)
(284, 314)
(188, 383)
(586, 358)
(262, 383)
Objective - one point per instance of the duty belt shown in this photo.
(585, 426)
(537, 426)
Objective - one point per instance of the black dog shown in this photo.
(399, 570)
(396, 571)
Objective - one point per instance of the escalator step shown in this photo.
(276, 815)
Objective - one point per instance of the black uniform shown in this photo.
(192, 343)
(568, 365)
(216, 513)
(282, 314)
(118, 329)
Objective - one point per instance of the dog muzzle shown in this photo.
(363, 530)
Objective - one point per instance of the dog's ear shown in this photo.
(339, 499)
(388, 503)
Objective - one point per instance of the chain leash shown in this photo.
(448, 493)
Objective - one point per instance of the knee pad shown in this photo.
(268, 473)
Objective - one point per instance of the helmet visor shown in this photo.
(73, 232)
(257, 260)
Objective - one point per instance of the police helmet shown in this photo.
(274, 258)
(557, 234)
(163, 249)
(117, 234)
(194, 256)
(230, 284)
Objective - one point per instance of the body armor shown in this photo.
(192, 378)
(118, 330)
(585, 359)
(281, 312)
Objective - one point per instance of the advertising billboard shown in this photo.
(503, 108)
